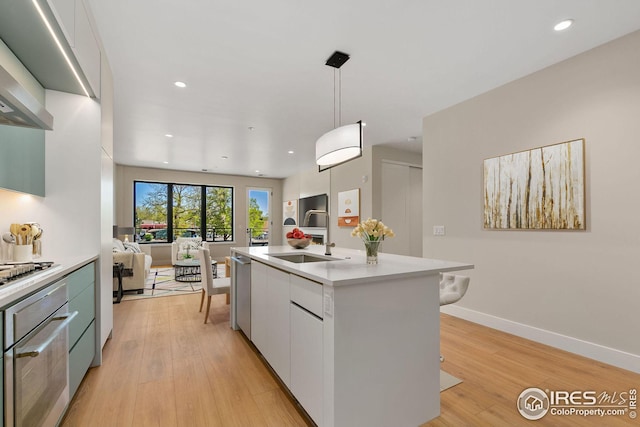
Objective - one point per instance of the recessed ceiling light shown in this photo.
(180, 84)
(412, 138)
(168, 135)
(251, 128)
(166, 163)
(257, 171)
(224, 157)
(290, 152)
(563, 25)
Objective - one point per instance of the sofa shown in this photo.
(137, 265)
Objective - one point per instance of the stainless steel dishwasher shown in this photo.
(241, 274)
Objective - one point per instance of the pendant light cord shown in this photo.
(339, 114)
(340, 98)
(334, 98)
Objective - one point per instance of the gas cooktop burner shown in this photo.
(11, 271)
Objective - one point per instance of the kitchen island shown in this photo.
(356, 344)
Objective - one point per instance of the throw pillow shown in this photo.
(117, 246)
(132, 247)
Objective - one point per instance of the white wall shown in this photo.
(72, 199)
(575, 290)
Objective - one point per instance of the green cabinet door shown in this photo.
(22, 155)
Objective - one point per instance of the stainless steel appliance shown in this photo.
(18, 107)
(15, 272)
(241, 274)
(36, 358)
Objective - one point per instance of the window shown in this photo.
(166, 211)
(151, 213)
(219, 214)
(187, 201)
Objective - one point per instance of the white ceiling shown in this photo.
(260, 64)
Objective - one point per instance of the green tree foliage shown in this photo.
(219, 211)
(186, 208)
(154, 206)
(256, 218)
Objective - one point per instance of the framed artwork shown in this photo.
(538, 189)
(290, 212)
(349, 208)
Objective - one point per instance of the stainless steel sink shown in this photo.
(302, 258)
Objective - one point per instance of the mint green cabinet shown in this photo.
(82, 334)
(22, 156)
(80, 358)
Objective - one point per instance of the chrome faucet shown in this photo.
(328, 245)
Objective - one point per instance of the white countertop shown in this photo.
(350, 266)
(15, 290)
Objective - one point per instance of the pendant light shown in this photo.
(343, 143)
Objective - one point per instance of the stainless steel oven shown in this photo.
(36, 358)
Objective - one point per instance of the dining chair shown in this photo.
(210, 286)
(452, 289)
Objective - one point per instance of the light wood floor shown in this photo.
(164, 367)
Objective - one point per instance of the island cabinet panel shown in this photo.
(270, 317)
(278, 327)
(306, 361)
(307, 294)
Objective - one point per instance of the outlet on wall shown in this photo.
(438, 230)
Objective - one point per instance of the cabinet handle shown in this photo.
(241, 260)
(35, 351)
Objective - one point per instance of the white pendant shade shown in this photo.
(339, 145)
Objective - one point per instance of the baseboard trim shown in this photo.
(597, 352)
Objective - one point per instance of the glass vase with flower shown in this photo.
(372, 232)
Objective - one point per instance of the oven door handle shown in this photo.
(35, 351)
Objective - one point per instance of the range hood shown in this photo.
(18, 107)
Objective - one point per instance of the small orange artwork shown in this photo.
(349, 208)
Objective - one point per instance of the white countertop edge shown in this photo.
(14, 291)
(351, 267)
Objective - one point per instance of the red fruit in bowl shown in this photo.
(290, 235)
(297, 234)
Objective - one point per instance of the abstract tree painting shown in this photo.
(539, 189)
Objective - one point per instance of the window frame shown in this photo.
(203, 211)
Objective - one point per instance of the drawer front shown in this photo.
(307, 294)
(80, 358)
(85, 306)
(80, 279)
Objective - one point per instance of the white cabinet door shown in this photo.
(278, 352)
(86, 49)
(65, 13)
(259, 310)
(306, 361)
